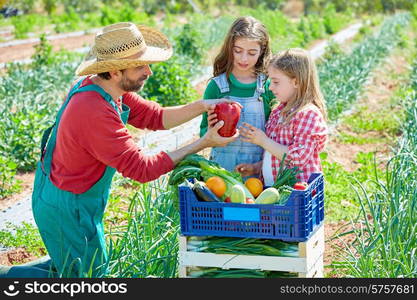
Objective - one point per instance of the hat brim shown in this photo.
(158, 49)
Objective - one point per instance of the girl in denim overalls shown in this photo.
(239, 75)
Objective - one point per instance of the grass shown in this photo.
(372, 127)
(382, 121)
(341, 203)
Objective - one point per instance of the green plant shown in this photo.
(25, 236)
(22, 27)
(385, 238)
(67, 22)
(414, 11)
(30, 98)
(354, 68)
(22, 139)
(146, 246)
(341, 203)
(80, 6)
(317, 27)
(332, 22)
(43, 53)
(170, 83)
(25, 5)
(126, 13)
(8, 183)
(190, 43)
(49, 6)
(304, 28)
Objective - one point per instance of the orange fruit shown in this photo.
(216, 185)
(255, 186)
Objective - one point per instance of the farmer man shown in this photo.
(89, 142)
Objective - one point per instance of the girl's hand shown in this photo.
(245, 169)
(252, 134)
(249, 169)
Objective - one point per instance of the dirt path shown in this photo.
(24, 51)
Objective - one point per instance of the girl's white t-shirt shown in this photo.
(267, 169)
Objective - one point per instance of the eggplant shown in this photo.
(203, 192)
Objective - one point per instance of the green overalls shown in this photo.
(71, 225)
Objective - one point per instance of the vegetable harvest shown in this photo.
(203, 192)
(196, 166)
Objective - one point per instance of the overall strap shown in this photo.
(47, 132)
(260, 82)
(222, 83)
(47, 155)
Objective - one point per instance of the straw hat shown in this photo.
(125, 45)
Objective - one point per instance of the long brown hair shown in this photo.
(243, 27)
(297, 63)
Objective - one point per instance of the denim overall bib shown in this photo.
(239, 152)
(71, 225)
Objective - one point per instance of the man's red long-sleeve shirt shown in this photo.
(92, 136)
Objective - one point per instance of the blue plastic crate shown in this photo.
(294, 221)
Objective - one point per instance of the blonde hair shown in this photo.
(297, 63)
(243, 27)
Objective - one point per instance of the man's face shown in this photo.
(133, 79)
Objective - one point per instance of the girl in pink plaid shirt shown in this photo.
(297, 126)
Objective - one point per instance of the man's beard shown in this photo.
(129, 85)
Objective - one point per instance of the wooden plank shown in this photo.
(308, 264)
(182, 243)
(182, 272)
(233, 261)
(312, 249)
(317, 271)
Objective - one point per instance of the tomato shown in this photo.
(229, 113)
(249, 201)
(227, 200)
(301, 186)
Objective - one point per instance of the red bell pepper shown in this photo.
(229, 113)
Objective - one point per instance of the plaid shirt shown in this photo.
(305, 135)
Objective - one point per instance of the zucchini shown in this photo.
(268, 196)
(203, 192)
(237, 194)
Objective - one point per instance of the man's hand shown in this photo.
(213, 139)
(211, 115)
(210, 104)
(210, 139)
(252, 135)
